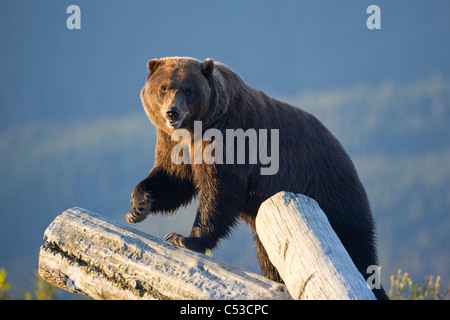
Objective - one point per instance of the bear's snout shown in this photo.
(174, 117)
(173, 113)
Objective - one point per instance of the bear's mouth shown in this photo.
(174, 123)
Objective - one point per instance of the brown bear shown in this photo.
(311, 161)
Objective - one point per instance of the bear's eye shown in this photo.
(164, 88)
(187, 91)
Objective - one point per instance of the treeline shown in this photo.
(397, 135)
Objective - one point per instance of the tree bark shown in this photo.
(306, 251)
(93, 255)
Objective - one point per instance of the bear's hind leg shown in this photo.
(267, 268)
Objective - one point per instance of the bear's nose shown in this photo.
(172, 113)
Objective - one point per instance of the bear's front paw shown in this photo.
(185, 242)
(140, 207)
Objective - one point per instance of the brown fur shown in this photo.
(311, 161)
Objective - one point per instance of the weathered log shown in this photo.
(306, 251)
(93, 255)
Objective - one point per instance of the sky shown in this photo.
(49, 72)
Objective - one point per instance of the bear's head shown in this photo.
(179, 91)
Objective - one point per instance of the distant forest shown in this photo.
(397, 134)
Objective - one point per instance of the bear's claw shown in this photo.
(192, 243)
(137, 214)
(176, 238)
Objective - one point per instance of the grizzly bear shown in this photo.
(311, 161)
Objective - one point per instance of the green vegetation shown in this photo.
(403, 288)
(42, 290)
(4, 286)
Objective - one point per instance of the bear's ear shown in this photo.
(152, 65)
(207, 67)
